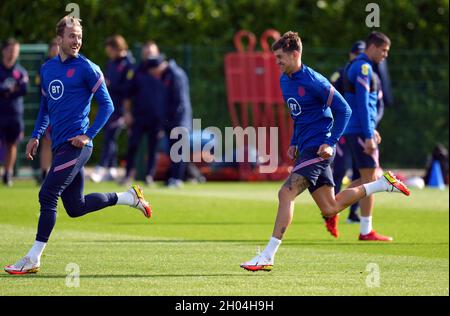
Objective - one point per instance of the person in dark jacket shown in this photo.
(144, 113)
(13, 86)
(118, 75)
(177, 110)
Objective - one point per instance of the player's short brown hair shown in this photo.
(117, 42)
(289, 42)
(67, 20)
(10, 41)
(377, 39)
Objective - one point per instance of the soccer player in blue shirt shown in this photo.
(343, 159)
(362, 94)
(13, 86)
(320, 116)
(69, 81)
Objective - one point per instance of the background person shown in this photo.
(144, 112)
(13, 86)
(118, 75)
(177, 110)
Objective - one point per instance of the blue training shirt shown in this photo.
(363, 101)
(320, 113)
(67, 89)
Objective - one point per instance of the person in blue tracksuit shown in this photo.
(13, 86)
(363, 95)
(320, 116)
(343, 159)
(118, 76)
(69, 81)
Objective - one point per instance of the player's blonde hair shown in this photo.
(65, 21)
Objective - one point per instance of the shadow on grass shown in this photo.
(125, 276)
(363, 244)
(303, 223)
(331, 242)
(174, 241)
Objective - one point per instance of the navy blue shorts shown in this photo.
(361, 160)
(11, 131)
(314, 168)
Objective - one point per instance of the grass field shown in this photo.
(200, 234)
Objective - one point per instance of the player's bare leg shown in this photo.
(293, 186)
(331, 205)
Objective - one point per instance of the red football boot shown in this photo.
(374, 236)
(331, 223)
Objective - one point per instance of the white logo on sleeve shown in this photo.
(293, 105)
(56, 89)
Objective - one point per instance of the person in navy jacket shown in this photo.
(13, 86)
(118, 77)
(144, 114)
(177, 109)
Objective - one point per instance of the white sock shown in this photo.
(376, 186)
(36, 251)
(366, 225)
(271, 248)
(125, 198)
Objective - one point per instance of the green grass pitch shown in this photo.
(199, 235)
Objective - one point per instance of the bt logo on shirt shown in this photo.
(294, 107)
(56, 89)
